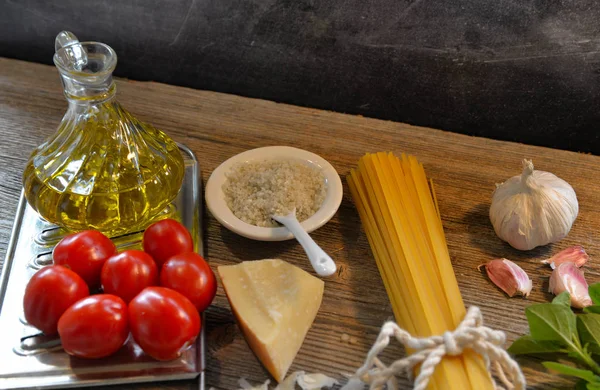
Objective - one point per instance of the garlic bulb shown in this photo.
(533, 209)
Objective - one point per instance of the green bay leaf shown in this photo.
(564, 298)
(586, 375)
(528, 345)
(592, 309)
(594, 291)
(581, 385)
(551, 322)
(588, 327)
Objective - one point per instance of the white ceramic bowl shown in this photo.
(215, 199)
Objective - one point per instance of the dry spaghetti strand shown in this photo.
(400, 215)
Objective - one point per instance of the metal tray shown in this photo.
(39, 363)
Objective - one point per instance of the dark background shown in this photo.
(519, 70)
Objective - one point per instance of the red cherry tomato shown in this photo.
(94, 327)
(85, 253)
(163, 322)
(189, 274)
(128, 273)
(49, 293)
(166, 238)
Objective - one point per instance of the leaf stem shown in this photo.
(575, 346)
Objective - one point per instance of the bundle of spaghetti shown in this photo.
(401, 219)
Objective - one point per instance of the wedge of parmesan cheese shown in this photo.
(275, 304)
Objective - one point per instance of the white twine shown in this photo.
(470, 334)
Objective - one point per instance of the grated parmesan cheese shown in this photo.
(254, 191)
(304, 380)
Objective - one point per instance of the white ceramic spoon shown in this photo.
(321, 262)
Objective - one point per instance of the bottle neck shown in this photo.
(88, 89)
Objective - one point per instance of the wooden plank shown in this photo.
(217, 126)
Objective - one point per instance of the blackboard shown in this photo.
(520, 70)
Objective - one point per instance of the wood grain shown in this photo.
(218, 126)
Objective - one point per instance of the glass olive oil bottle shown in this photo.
(103, 169)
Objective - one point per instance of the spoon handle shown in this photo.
(321, 262)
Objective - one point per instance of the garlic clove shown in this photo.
(532, 209)
(575, 254)
(567, 277)
(508, 276)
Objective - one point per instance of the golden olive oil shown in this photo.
(103, 170)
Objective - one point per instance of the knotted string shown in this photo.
(470, 334)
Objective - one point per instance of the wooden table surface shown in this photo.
(217, 126)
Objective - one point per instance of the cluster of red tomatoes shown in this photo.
(155, 294)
